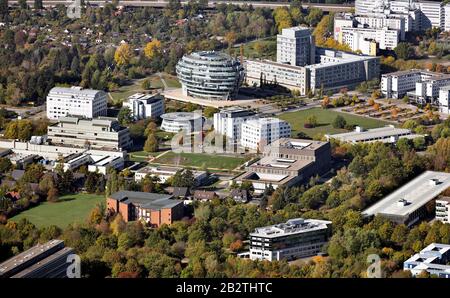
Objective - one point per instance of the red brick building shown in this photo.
(155, 209)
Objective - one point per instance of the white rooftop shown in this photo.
(412, 195)
(371, 134)
(292, 226)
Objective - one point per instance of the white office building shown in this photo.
(257, 133)
(145, 105)
(296, 46)
(367, 40)
(228, 122)
(297, 238)
(444, 100)
(182, 121)
(164, 173)
(434, 259)
(433, 14)
(75, 101)
(443, 209)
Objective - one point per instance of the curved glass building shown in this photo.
(210, 75)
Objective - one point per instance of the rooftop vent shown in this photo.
(359, 129)
(402, 202)
(433, 182)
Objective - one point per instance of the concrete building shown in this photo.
(75, 101)
(99, 133)
(368, 40)
(433, 259)
(145, 105)
(296, 46)
(408, 204)
(152, 208)
(287, 162)
(428, 90)
(182, 121)
(164, 173)
(442, 209)
(387, 134)
(444, 99)
(210, 75)
(256, 133)
(297, 238)
(48, 260)
(228, 122)
(433, 14)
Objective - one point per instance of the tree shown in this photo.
(282, 18)
(403, 51)
(124, 117)
(123, 54)
(153, 49)
(151, 144)
(311, 120)
(3, 7)
(399, 234)
(38, 4)
(314, 16)
(5, 164)
(52, 194)
(23, 4)
(339, 122)
(230, 38)
(146, 84)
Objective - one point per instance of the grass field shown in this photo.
(140, 156)
(269, 43)
(324, 119)
(200, 160)
(70, 209)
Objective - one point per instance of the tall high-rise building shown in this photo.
(296, 46)
(228, 122)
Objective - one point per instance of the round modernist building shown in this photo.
(178, 121)
(210, 75)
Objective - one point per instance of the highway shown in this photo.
(211, 4)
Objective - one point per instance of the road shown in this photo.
(211, 4)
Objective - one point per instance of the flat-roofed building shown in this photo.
(443, 209)
(164, 173)
(48, 260)
(434, 259)
(398, 84)
(155, 209)
(256, 133)
(444, 100)
(296, 46)
(297, 238)
(145, 105)
(387, 134)
(228, 122)
(287, 162)
(99, 133)
(182, 121)
(76, 101)
(407, 205)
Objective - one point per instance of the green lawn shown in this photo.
(200, 160)
(70, 209)
(324, 119)
(139, 156)
(270, 50)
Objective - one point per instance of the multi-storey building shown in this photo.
(433, 259)
(256, 133)
(367, 40)
(210, 75)
(145, 105)
(297, 238)
(76, 101)
(228, 122)
(296, 46)
(164, 173)
(444, 100)
(443, 209)
(99, 133)
(428, 90)
(287, 162)
(433, 14)
(155, 209)
(182, 121)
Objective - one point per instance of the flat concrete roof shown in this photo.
(375, 133)
(417, 193)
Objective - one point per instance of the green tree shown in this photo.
(124, 117)
(339, 122)
(151, 144)
(403, 51)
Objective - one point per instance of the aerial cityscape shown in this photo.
(226, 139)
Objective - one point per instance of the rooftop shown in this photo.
(412, 195)
(291, 227)
(181, 116)
(431, 258)
(370, 134)
(75, 91)
(146, 200)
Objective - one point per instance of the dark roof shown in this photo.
(204, 194)
(180, 192)
(17, 174)
(146, 200)
(240, 195)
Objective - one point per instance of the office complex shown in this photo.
(297, 238)
(287, 162)
(210, 75)
(256, 133)
(408, 204)
(434, 259)
(442, 209)
(145, 105)
(296, 46)
(96, 163)
(182, 121)
(228, 122)
(99, 133)
(152, 208)
(444, 99)
(48, 260)
(75, 101)
(387, 134)
(164, 173)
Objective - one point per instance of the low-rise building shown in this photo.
(76, 101)
(99, 133)
(189, 122)
(256, 133)
(297, 238)
(164, 173)
(145, 105)
(408, 204)
(444, 100)
(433, 259)
(287, 162)
(443, 209)
(387, 134)
(152, 208)
(228, 122)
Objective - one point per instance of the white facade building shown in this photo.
(444, 100)
(432, 14)
(296, 46)
(443, 209)
(397, 84)
(145, 105)
(228, 122)
(164, 173)
(362, 38)
(75, 101)
(182, 121)
(434, 259)
(260, 132)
